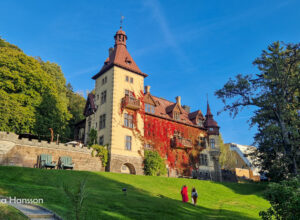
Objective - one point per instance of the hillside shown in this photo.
(147, 197)
(10, 213)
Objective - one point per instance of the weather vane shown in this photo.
(121, 22)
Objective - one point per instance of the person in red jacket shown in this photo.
(184, 194)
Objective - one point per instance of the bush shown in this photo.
(102, 152)
(285, 200)
(154, 165)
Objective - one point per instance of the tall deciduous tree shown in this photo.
(53, 110)
(227, 157)
(22, 81)
(275, 94)
(76, 107)
(33, 94)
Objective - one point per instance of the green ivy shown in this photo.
(92, 137)
(102, 152)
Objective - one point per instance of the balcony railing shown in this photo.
(214, 153)
(181, 143)
(131, 103)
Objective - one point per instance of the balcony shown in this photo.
(214, 153)
(182, 143)
(131, 103)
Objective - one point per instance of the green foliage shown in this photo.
(34, 96)
(3, 43)
(22, 83)
(53, 110)
(102, 152)
(227, 157)
(154, 165)
(92, 137)
(285, 200)
(75, 107)
(275, 94)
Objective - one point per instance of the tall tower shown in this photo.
(118, 86)
(213, 141)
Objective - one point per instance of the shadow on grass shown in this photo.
(105, 197)
(247, 188)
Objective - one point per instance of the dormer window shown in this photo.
(127, 61)
(176, 115)
(200, 122)
(149, 108)
(211, 129)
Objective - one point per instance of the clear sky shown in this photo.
(188, 48)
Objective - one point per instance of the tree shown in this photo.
(275, 94)
(227, 157)
(154, 165)
(285, 200)
(53, 111)
(32, 94)
(76, 104)
(3, 43)
(22, 81)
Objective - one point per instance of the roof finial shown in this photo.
(121, 22)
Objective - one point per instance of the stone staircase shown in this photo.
(34, 212)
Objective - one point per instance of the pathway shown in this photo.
(34, 212)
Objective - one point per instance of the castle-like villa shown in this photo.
(129, 120)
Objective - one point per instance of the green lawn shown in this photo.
(10, 213)
(147, 197)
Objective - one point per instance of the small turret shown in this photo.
(210, 123)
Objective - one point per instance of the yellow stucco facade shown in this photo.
(118, 131)
(113, 83)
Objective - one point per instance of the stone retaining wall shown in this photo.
(25, 153)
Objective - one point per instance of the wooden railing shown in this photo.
(131, 102)
(181, 143)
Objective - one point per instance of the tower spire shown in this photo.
(121, 21)
(208, 112)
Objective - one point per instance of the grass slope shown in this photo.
(147, 198)
(10, 213)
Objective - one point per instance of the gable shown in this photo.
(90, 107)
(149, 99)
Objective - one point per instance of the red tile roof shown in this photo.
(194, 114)
(120, 57)
(163, 107)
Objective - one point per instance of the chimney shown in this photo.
(110, 50)
(187, 108)
(147, 89)
(178, 100)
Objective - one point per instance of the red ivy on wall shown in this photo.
(159, 134)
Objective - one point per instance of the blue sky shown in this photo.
(188, 48)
